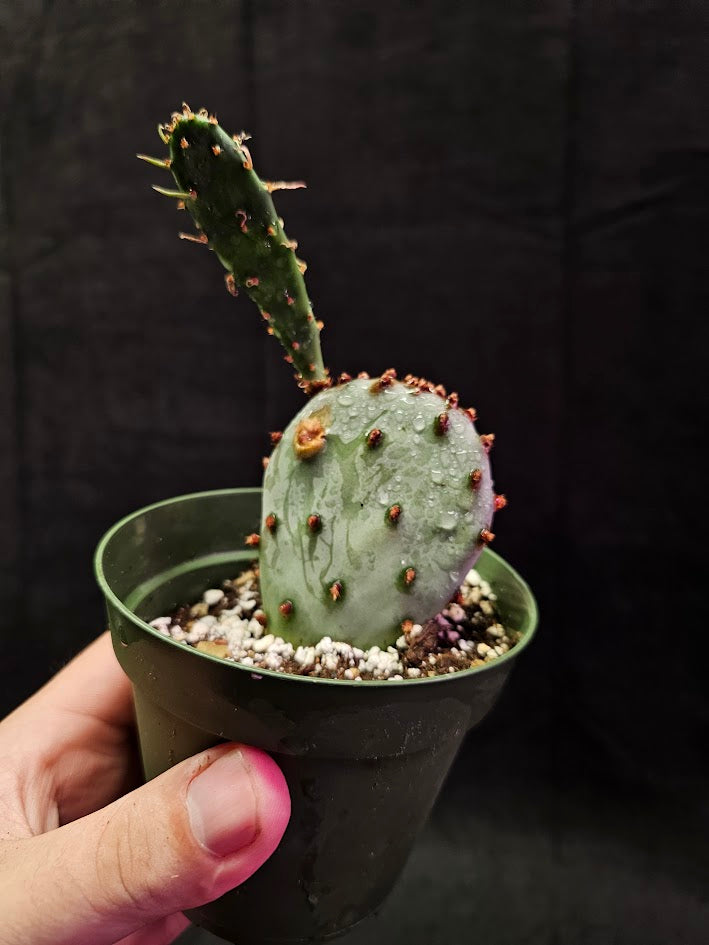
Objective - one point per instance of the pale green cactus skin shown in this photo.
(351, 486)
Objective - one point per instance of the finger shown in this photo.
(162, 932)
(90, 697)
(179, 841)
(75, 739)
(92, 685)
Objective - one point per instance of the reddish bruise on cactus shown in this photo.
(360, 452)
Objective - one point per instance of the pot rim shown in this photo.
(532, 619)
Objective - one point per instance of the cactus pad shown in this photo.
(235, 216)
(383, 499)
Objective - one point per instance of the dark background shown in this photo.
(511, 198)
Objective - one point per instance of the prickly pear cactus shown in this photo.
(377, 500)
(234, 215)
(378, 497)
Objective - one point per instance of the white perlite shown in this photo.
(237, 632)
(212, 596)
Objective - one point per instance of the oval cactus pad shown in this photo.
(383, 500)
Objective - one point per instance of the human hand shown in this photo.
(83, 863)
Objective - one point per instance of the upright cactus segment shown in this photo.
(377, 500)
(234, 215)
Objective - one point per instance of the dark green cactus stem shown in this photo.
(234, 214)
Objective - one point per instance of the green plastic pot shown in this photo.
(363, 761)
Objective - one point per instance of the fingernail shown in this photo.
(222, 805)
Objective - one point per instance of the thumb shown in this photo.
(181, 840)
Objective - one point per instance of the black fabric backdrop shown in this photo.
(511, 198)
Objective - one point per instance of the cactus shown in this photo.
(377, 500)
(234, 214)
(378, 496)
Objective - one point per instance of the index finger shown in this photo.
(92, 686)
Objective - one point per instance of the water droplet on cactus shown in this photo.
(419, 423)
(447, 520)
(345, 398)
(437, 476)
(383, 497)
